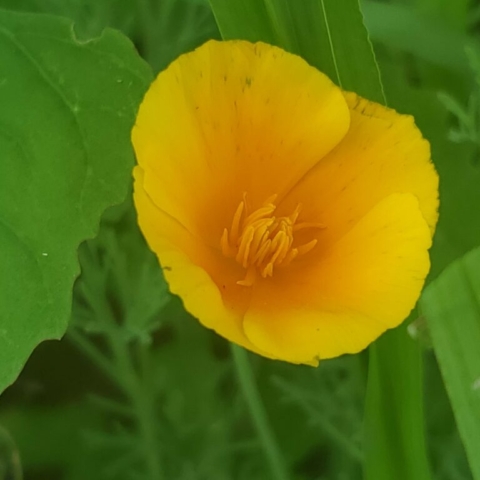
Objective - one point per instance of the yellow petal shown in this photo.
(382, 153)
(367, 282)
(228, 118)
(213, 297)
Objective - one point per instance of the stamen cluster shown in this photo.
(259, 241)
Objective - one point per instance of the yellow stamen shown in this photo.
(234, 231)
(261, 242)
(249, 279)
(227, 250)
(244, 248)
(303, 249)
(262, 253)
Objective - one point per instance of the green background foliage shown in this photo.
(137, 389)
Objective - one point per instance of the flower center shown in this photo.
(259, 241)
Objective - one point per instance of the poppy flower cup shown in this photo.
(291, 217)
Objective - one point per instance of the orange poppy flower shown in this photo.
(291, 217)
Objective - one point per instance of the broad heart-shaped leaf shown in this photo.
(451, 305)
(67, 108)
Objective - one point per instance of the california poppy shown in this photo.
(291, 217)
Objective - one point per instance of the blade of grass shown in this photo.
(331, 36)
(259, 416)
(351, 49)
(451, 305)
(394, 416)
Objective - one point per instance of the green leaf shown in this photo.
(67, 110)
(451, 305)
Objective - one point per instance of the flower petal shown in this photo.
(382, 153)
(213, 297)
(228, 118)
(365, 283)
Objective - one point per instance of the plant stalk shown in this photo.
(256, 408)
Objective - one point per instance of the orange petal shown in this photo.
(213, 297)
(228, 118)
(382, 153)
(365, 283)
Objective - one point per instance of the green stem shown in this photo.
(394, 417)
(249, 389)
(142, 402)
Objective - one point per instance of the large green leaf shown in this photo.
(451, 305)
(65, 156)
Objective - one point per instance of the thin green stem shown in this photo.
(249, 389)
(143, 405)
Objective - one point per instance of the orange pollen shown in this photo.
(259, 241)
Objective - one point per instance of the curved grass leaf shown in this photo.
(451, 305)
(65, 156)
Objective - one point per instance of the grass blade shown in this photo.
(394, 417)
